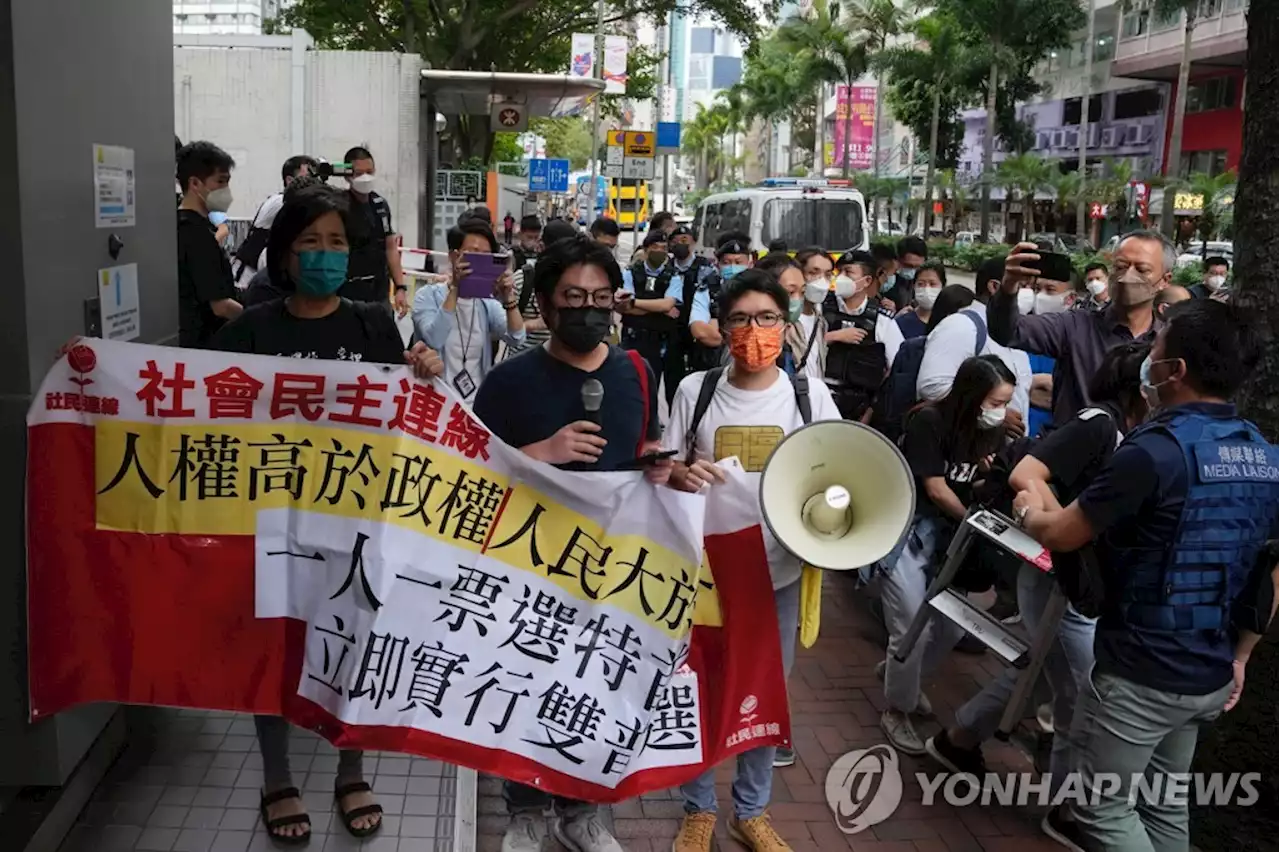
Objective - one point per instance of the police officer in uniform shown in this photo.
(707, 347)
(862, 337)
(375, 255)
(652, 311)
(694, 271)
(1184, 516)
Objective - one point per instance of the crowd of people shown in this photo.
(1096, 412)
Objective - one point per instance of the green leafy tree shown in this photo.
(568, 138)
(528, 35)
(1014, 35)
(1068, 188)
(1216, 193)
(938, 60)
(1028, 174)
(877, 21)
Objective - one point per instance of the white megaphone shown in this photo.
(837, 495)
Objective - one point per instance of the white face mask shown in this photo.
(1097, 286)
(364, 184)
(816, 290)
(1216, 282)
(845, 287)
(1026, 300)
(218, 201)
(990, 418)
(926, 296)
(1050, 303)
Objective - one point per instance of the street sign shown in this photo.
(668, 137)
(638, 143)
(1095, 210)
(557, 176)
(637, 168)
(613, 171)
(508, 118)
(539, 175)
(613, 156)
(617, 138)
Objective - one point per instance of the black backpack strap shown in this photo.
(800, 383)
(705, 393)
(982, 331)
(361, 310)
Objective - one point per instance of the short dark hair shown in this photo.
(809, 252)
(298, 210)
(753, 280)
(883, 253)
(1097, 264)
(912, 245)
(1217, 260)
(294, 164)
(954, 297)
(603, 226)
(479, 228)
(990, 269)
(557, 229)
(573, 251)
(530, 223)
(862, 259)
(935, 266)
(482, 213)
(1220, 344)
(775, 262)
(201, 160)
(301, 182)
(654, 236)
(661, 218)
(1118, 377)
(359, 152)
(778, 245)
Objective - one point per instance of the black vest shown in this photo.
(650, 286)
(367, 273)
(856, 365)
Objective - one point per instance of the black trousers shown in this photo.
(664, 355)
(521, 798)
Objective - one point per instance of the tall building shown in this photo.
(223, 17)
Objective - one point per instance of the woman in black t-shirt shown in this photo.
(948, 444)
(307, 262)
(1059, 467)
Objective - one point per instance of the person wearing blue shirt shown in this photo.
(1180, 515)
(733, 255)
(651, 312)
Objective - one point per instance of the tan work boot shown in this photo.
(696, 832)
(757, 834)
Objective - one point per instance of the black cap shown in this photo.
(530, 223)
(733, 247)
(557, 229)
(654, 236)
(682, 231)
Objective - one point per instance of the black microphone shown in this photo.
(592, 397)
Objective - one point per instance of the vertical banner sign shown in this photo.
(582, 55)
(348, 547)
(615, 65)
(859, 147)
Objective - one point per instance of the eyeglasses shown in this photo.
(576, 297)
(765, 320)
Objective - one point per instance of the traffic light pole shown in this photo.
(598, 68)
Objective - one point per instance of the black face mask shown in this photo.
(582, 329)
(680, 251)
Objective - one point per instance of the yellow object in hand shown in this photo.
(810, 605)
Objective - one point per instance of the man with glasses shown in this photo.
(534, 402)
(744, 410)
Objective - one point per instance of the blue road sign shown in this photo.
(539, 176)
(557, 176)
(668, 137)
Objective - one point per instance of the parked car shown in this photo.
(1197, 252)
(1064, 243)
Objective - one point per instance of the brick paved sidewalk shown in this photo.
(835, 704)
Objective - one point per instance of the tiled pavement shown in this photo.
(189, 780)
(835, 704)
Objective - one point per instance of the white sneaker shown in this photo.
(585, 833)
(924, 707)
(525, 833)
(901, 733)
(1044, 717)
(783, 757)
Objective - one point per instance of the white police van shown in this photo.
(801, 212)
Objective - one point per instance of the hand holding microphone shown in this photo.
(577, 442)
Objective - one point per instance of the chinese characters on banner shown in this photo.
(348, 547)
(856, 136)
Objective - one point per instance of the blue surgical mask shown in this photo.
(889, 281)
(795, 308)
(217, 218)
(907, 273)
(1150, 392)
(321, 273)
(729, 271)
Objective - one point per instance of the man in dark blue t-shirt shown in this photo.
(1181, 516)
(535, 402)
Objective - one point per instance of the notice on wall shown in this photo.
(114, 200)
(118, 296)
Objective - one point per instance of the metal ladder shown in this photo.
(947, 602)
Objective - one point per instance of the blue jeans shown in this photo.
(753, 783)
(1066, 668)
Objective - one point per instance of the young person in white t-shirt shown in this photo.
(753, 405)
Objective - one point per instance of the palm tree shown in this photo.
(1069, 191)
(1216, 193)
(957, 195)
(940, 56)
(1027, 173)
(877, 21)
(696, 141)
(833, 56)
(732, 105)
(768, 97)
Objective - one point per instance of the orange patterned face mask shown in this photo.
(755, 348)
